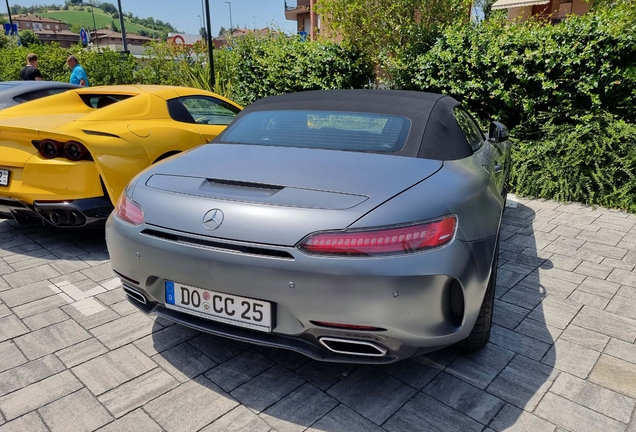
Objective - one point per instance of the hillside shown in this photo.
(85, 20)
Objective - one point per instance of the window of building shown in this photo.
(48, 27)
(28, 25)
(57, 27)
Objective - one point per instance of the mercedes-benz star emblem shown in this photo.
(213, 219)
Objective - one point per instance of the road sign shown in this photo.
(7, 29)
(84, 36)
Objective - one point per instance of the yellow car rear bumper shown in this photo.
(62, 192)
(51, 180)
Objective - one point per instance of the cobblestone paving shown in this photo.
(76, 356)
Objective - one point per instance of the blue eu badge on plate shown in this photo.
(169, 292)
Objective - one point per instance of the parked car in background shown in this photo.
(16, 92)
(67, 158)
(351, 226)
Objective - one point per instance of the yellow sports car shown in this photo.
(66, 159)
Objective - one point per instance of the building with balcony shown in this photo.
(550, 10)
(303, 12)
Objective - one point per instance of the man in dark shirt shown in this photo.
(31, 72)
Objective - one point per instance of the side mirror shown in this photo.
(497, 132)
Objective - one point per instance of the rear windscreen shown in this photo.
(321, 129)
(102, 100)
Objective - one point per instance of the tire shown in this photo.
(480, 335)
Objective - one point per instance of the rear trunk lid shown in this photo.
(273, 195)
(17, 134)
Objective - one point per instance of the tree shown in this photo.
(113, 26)
(6, 41)
(222, 31)
(381, 28)
(28, 37)
(75, 28)
(108, 8)
(76, 2)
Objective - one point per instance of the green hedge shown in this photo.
(591, 160)
(525, 74)
(567, 91)
(103, 67)
(257, 67)
(276, 65)
(252, 69)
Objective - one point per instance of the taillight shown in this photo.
(129, 211)
(382, 241)
(71, 150)
(49, 149)
(74, 151)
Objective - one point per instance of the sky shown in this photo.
(186, 15)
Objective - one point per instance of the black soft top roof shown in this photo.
(435, 133)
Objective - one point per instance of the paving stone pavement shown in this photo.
(76, 356)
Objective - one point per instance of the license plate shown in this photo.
(4, 177)
(229, 309)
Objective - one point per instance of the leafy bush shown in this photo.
(257, 67)
(103, 67)
(568, 93)
(51, 62)
(107, 67)
(28, 38)
(261, 67)
(592, 160)
(525, 74)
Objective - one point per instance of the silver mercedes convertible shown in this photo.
(348, 225)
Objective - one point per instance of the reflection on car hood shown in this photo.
(272, 194)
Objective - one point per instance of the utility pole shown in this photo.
(10, 20)
(121, 23)
(202, 14)
(209, 41)
(94, 25)
(230, 5)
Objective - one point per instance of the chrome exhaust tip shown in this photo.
(76, 218)
(352, 347)
(55, 218)
(135, 294)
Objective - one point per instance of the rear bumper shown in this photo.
(58, 191)
(306, 344)
(80, 213)
(51, 179)
(408, 296)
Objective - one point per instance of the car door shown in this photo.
(493, 155)
(211, 115)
